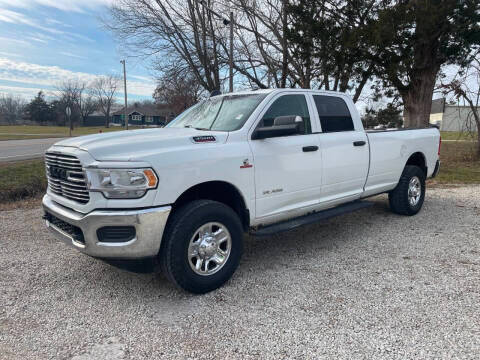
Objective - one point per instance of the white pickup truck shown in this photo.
(260, 161)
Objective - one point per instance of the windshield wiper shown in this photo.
(196, 128)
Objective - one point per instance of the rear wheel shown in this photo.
(202, 246)
(407, 198)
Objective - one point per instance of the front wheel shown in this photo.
(407, 198)
(202, 246)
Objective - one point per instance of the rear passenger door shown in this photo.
(345, 153)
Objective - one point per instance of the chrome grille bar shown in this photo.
(72, 183)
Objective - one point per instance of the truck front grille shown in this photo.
(65, 177)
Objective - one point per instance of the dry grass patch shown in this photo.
(22, 180)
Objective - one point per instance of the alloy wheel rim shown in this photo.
(414, 191)
(209, 248)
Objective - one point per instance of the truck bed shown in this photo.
(389, 151)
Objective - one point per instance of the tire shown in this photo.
(403, 200)
(183, 237)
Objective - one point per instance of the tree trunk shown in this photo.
(417, 99)
(326, 82)
(366, 75)
(476, 116)
(478, 141)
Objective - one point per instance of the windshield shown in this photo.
(223, 113)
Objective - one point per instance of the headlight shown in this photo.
(121, 183)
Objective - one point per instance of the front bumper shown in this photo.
(149, 226)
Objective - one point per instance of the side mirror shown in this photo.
(287, 120)
(282, 126)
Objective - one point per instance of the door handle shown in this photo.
(309, 148)
(359, 143)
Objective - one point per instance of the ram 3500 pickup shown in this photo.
(260, 161)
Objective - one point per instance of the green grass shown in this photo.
(20, 180)
(460, 164)
(464, 174)
(20, 132)
(456, 135)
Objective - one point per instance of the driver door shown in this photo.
(287, 168)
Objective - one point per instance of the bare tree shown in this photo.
(70, 93)
(186, 38)
(11, 108)
(182, 33)
(177, 91)
(466, 86)
(103, 90)
(262, 54)
(87, 105)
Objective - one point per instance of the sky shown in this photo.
(44, 42)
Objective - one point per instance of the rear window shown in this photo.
(333, 113)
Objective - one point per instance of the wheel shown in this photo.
(202, 246)
(407, 198)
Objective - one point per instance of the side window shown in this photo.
(333, 113)
(288, 105)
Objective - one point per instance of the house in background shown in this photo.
(451, 117)
(97, 118)
(144, 115)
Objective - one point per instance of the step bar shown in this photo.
(312, 218)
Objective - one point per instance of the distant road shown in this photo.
(13, 150)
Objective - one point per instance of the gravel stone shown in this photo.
(370, 284)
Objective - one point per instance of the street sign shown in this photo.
(68, 111)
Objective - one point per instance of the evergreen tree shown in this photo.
(326, 38)
(403, 44)
(39, 110)
(390, 116)
(411, 40)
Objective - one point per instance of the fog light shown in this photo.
(116, 234)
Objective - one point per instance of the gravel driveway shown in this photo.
(365, 285)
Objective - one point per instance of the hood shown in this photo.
(137, 144)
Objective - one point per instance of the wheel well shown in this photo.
(220, 191)
(418, 159)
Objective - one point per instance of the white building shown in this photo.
(452, 117)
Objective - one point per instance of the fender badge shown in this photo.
(204, 139)
(246, 164)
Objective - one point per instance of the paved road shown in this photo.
(13, 150)
(367, 285)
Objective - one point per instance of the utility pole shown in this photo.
(125, 92)
(231, 52)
